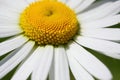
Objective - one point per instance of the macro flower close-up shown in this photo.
(49, 39)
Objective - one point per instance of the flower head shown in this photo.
(48, 38)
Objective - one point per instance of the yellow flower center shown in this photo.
(49, 22)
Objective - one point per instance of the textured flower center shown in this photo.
(49, 22)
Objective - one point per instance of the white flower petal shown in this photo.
(89, 62)
(31, 1)
(102, 33)
(85, 4)
(41, 71)
(8, 21)
(6, 11)
(9, 31)
(52, 71)
(12, 44)
(8, 16)
(74, 3)
(116, 9)
(10, 27)
(61, 64)
(3, 35)
(78, 71)
(98, 3)
(28, 66)
(102, 11)
(18, 5)
(63, 1)
(14, 58)
(108, 48)
(105, 22)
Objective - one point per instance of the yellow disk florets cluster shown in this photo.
(49, 22)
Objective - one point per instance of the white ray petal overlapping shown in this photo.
(12, 44)
(17, 5)
(89, 62)
(40, 72)
(6, 20)
(31, 1)
(102, 33)
(101, 23)
(63, 1)
(14, 58)
(76, 3)
(52, 70)
(61, 64)
(8, 16)
(108, 48)
(85, 4)
(8, 12)
(27, 67)
(99, 12)
(7, 31)
(98, 4)
(78, 71)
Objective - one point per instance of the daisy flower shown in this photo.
(48, 38)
